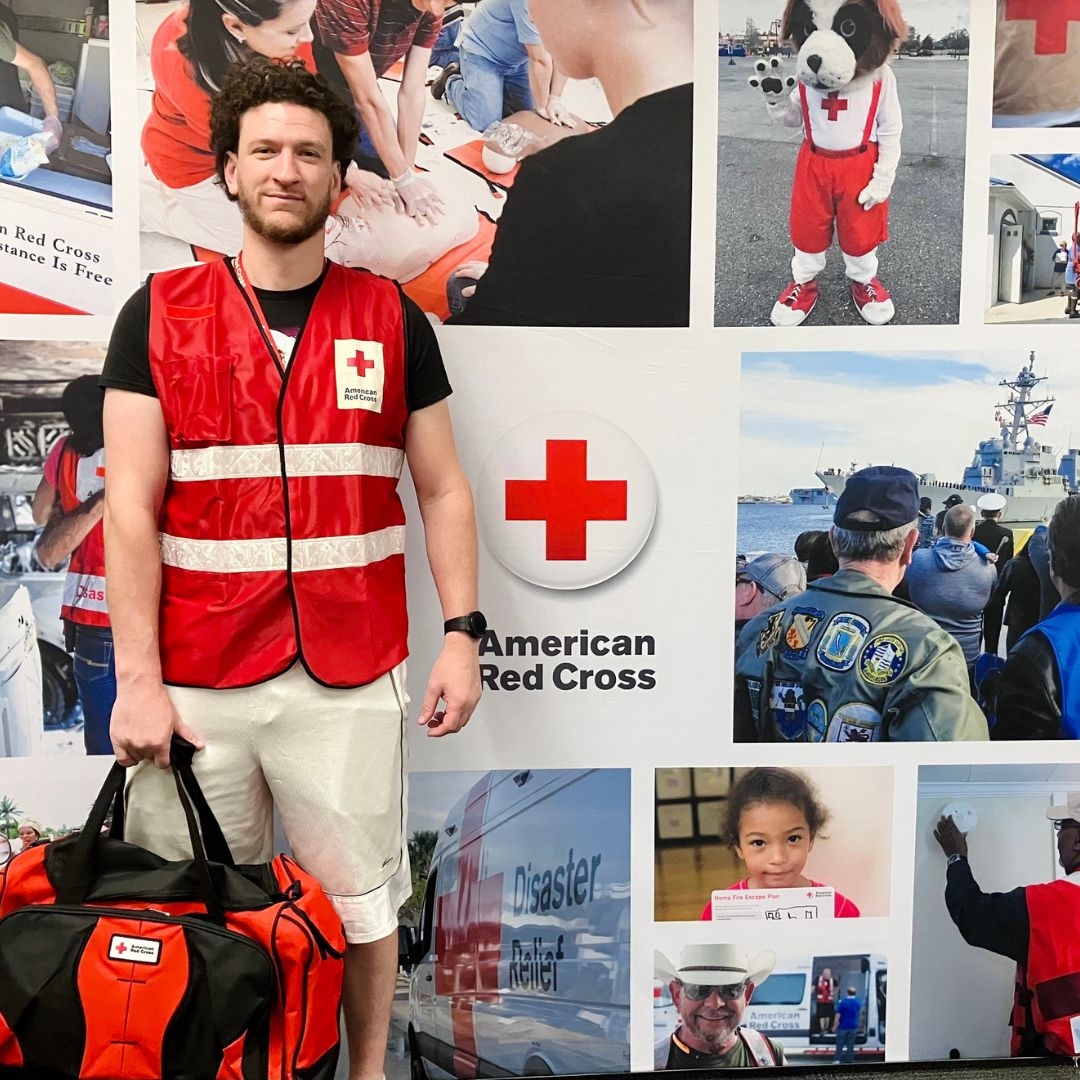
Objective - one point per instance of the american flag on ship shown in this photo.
(1041, 416)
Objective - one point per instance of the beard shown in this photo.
(711, 1034)
(295, 231)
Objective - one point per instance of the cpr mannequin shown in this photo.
(388, 242)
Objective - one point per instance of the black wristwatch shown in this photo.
(474, 624)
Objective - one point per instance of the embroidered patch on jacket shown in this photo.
(798, 634)
(841, 641)
(770, 632)
(787, 707)
(855, 722)
(883, 660)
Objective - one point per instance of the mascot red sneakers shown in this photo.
(844, 98)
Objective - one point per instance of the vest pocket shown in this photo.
(197, 398)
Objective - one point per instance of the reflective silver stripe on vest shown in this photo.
(271, 554)
(315, 459)
(85, 591)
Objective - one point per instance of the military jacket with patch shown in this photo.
(847, 662)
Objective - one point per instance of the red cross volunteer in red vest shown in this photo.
(258, 413)
(1035, 925)
(69, 502)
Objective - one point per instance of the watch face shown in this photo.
(477, 624)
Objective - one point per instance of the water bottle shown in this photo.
(23, 155)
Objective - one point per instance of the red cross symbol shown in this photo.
(566, 500)
(1052, 20)
(121, 948)
(361, 363)
(834, 104)
(468, 936)
(100, 471)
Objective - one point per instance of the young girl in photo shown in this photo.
(772, 819)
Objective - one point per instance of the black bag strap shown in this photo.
(79, 871)
(215, 844)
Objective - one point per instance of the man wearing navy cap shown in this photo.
(847, 661)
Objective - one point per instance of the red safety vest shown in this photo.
(84, 587)
(1052, 973)
(868, 127)
(282, 534)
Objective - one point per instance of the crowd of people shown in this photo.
(888, 626)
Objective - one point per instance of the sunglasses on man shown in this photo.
(728, 991)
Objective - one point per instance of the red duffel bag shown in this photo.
(118, 964)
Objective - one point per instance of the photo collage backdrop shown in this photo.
(648, 399)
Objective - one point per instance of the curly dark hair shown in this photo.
(1064, 540)
(260, 81)
(768, 785)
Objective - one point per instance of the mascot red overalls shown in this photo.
(845, 100)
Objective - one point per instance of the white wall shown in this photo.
(961, 996)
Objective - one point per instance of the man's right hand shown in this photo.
(142, 726)
(951, 839)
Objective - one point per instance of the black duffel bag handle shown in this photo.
(78, 874)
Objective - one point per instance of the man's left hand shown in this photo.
(951, 839)
(455, 679)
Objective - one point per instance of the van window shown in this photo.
(448, 874)
(783, 989)
(428, 912)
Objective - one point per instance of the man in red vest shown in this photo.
(1035, 925)
(258, 412)
(69, 502)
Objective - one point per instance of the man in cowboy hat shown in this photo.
(711, 987)
(1033, 925)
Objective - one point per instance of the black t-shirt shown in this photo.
(127, 362)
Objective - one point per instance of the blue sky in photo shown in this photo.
(1067, 165)
(877, 369)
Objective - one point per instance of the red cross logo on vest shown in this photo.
(121, 948)
(361, 364)
(1052, 20)
(566, 500)
(359, 374)
(834, 105)
(468, 935)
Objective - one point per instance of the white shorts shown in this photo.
(333, 764)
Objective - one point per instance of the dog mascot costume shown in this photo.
(845, 100)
